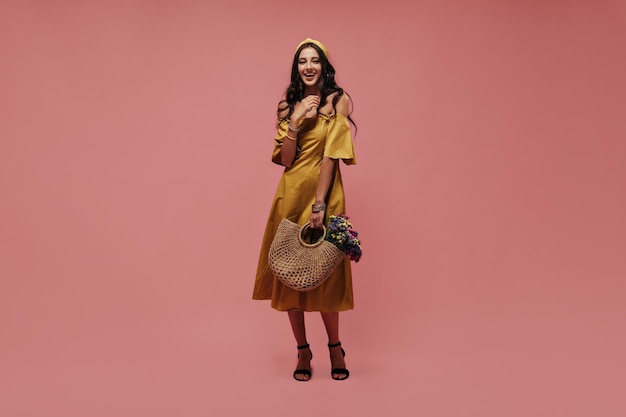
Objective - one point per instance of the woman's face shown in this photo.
(309, 66)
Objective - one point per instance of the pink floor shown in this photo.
(135, 180)
(203, 363)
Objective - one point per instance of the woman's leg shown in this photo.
(296, 318)
(331, 322)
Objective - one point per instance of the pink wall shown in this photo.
(135, 180)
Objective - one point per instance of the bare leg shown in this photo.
(331, 321)
(296, 318)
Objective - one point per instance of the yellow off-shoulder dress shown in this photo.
(326, 135)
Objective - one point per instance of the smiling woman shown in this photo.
(309, 67)
(313, 135)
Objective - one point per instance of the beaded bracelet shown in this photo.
(293, 129)
(317, 209)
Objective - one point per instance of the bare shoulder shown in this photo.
(343, 104)
(283, 110)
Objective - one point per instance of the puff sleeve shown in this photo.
(278, 141)
(339, 140)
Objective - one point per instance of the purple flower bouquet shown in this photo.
(340, 233)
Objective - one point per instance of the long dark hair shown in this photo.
(326, 84)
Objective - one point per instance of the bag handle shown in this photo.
(314, 244)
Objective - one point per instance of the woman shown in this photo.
(313, 134)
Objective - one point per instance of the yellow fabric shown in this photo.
(318, 43)
(318, 137)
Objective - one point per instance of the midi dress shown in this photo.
(324, 135)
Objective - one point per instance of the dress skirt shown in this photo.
(324, 136)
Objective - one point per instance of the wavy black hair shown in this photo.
(326, 84)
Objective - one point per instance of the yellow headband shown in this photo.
(313, 41)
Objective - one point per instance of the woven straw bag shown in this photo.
(299, 265)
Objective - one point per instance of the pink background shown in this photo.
(135, 181)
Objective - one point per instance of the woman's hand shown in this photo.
(306, 108)
(317, 220)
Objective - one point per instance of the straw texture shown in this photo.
(299, 265)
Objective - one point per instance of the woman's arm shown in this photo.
(343, 105)
(327, 172)
(288, 149)
(302, 109)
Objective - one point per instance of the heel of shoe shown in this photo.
(339, 370)
(303, 372)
